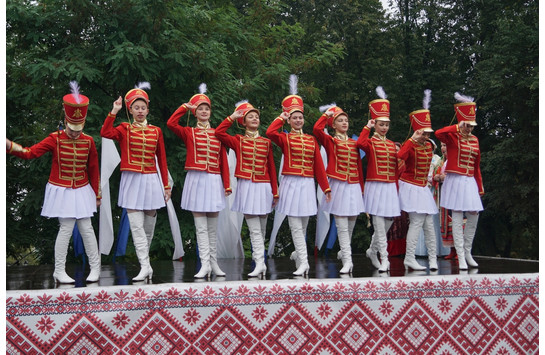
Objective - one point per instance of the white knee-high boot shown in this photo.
(258, 246)
(263, 222)
(66, 226)
(298, 229)
(469, 235)
(91, 248)
(212, 238)
(431, 241)
(458, 236)
(382, 225)
(351, 224)
(201, 229)
(149, 227)
(415, 225)
(344, 242)
(371, 252)
(136, 221)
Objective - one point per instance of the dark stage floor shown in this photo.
(121, 273)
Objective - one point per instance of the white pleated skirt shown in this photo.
(66, 202)
(203, 192)
(381, 199)
(297, 196)
(460, 193)
(346, 199)
(253, 197)
(419, 199)
(139, 191)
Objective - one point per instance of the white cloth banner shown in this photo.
(174, 225)
(229, 242)
(322, 217)
(278, 217)
(172, 219)
(109, 161)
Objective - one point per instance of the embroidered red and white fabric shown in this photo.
(496, 314)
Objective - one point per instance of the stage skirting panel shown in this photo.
(458, 314)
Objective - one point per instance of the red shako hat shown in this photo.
(246, 108)
(380, 108)
(421, 119)
(75, 108)
(200, 98)
(137, 93)
(466, 109)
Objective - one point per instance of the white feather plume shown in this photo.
(293, 84)
(462, 98)
(203, 88)
(427, 99)
(324, 108)
(381, 93)
(241, 102)
(143, 85)
(74, 88)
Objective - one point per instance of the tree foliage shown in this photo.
(341, 50)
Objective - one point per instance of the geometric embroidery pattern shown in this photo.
(473, 314)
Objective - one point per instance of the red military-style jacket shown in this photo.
(417, 158)
(343, 159)
(74, 163)
(463, 152)
(301, 154)
(139, 146)
(381, 156)
(255, 159)
(204, 150)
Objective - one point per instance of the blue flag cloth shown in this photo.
(332, 236)
(122, 235)
(78, 242)
(362, 153)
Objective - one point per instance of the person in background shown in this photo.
(345, 178)
(257, 187)
(462, 187)
(142, 190)
(72, 193)
(380, 198)
(207, 180)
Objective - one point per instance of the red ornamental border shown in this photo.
(466, 314)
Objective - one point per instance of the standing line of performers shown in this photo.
(73, 189)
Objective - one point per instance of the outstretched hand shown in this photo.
(117, 105)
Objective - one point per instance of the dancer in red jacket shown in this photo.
(207, 180)
(72, 193)
(257, 187)
(415, 197)
(380, 198)
(345, 178)
(463, 186)
(302, 163)
(141, 191)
